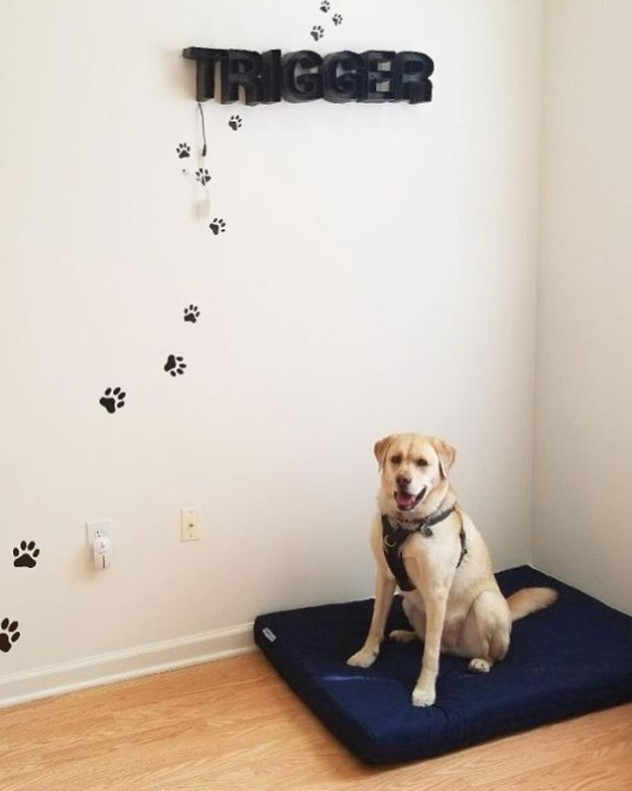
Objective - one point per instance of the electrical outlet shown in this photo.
(102, 526)
(189, 525)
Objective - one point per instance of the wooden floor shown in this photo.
(233, 725)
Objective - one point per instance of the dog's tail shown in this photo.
(528, 600)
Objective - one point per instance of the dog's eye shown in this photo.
(397, 459)
(422, 463)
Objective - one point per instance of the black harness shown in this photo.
(394, 536)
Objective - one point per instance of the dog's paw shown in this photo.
(423, 696)
(363, 658)
(402, 636)
(480, 666)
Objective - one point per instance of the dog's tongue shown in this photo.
(404, 500)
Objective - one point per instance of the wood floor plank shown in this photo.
(234, 725)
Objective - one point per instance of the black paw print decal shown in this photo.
(183, 150)
(218, 226)
(317, 32)
(112, 399)
(175, 365)
(235, 122)
(26, 555)
(191, 314)
(8, 635)
(337, 19)
(203, 176)
(325, 6)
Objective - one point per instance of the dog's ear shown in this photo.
(380, 448)
(446, 453)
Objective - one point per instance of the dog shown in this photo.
(426, 544)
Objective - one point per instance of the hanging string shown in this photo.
(204, 148)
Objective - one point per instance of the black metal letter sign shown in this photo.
(373, 76)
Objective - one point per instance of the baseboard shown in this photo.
(144, 660)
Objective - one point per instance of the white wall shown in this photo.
(583, 457)
(377, 274)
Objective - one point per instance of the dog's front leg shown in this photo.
(424, 693)
(384, 590)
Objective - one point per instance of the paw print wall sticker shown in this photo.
(25, 556)
(317, 32)
(112, 399)
(8, 635)
(183, 150)
(218, 226)
(192, 314)
(175, 365)
(203, 176)
(235, 122)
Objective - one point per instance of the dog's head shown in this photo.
(413, 467)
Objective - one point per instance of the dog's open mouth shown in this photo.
(406, 501)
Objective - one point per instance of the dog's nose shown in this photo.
(403, 481)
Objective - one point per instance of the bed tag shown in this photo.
(269, 634)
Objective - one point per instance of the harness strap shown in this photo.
(393, 538)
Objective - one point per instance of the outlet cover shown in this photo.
(189, 525)
(103, 526)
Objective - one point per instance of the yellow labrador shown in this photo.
(426, 544)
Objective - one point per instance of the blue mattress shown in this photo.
(571, 659)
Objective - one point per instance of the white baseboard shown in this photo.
(94, 671)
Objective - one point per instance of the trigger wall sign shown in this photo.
(269, 77)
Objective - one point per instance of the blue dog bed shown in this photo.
(568, 660)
